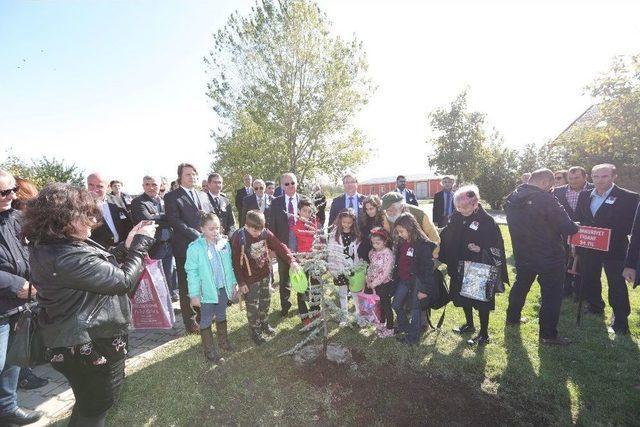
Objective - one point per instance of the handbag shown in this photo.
(26, 347)
(439, 299)
(479, 281)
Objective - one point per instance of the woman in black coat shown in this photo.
(472, 235)
(83, 295)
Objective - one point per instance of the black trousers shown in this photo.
(551, 290)
(592, 263)
(95, 372)
(285, 286)
(189, 315)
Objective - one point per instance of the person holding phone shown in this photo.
(83, 294)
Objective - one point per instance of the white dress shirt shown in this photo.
(108, 219)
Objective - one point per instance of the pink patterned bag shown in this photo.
(368, 307)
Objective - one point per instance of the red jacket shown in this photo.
(304, 234)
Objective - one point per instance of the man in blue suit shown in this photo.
(349, 200)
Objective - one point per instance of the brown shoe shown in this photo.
(209, 346)
(192, 329)
(561, 341)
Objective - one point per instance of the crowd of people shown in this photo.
(80, 253)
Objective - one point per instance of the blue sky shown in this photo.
(119, 87)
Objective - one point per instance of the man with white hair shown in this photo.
(537, 225)
(14, 292)
(259, 201)
(116, 223)
(611, 207)
(394, 204)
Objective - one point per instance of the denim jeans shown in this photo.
(9, 375)
(210, 310)
(406, 296)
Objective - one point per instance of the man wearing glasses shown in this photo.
(259, 200)
(284, 211)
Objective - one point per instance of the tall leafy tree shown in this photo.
(458, 141)
(286, 91)
(498, 172)
(43, 171)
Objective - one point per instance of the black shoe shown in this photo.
(32, 382)
(479, 340)
(20, 417)
(285, 309)
(516, 322)
(464, 329)
(267, 329)
(257, 338)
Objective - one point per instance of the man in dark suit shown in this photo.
(401, 187)
(349, 200)
(443, 202)
(607, 206)
(116, 223)
(184, 207)
(632, 262)
(243, 192)
(283, 214)
(259, 200)
(567, 195)
(150, 206)
(219, 202)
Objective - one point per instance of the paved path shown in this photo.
(56, 398)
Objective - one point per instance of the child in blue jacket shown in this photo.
(211, 283)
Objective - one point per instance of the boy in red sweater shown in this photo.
(305, 229)
(251, 264)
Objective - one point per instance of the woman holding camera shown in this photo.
(82, 292)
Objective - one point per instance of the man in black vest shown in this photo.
(184, 208)
(150, 206)
(220, 204)
(607, 206)
(116, 223)
(443, 202)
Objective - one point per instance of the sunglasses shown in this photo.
(286, 184)
(5, 193)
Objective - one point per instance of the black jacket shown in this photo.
(561, 194)
(633, 253)
(122, 221)
(184, 216)
(618, 216)
(221, 206)
(144, 208)
(537, 223)
(278, 219)
(340, 203)
(409, 196)
(251, 203)
(422, 266)
(241, 193)
(14, 260)
(438, 209)
(82, 292)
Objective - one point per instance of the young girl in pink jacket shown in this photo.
(380, 276)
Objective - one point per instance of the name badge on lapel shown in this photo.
(410, 252)
(123, 215)
(474, 225)
(610, 200)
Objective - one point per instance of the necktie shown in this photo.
(291, 218)
(446, 203)
(350, 202)
(195, 201)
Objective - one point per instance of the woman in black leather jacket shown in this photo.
(85, 310)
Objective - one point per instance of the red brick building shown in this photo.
(423, 185)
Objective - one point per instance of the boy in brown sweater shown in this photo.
(251, 264)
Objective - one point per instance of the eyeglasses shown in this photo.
(286, 184)
(5, 193)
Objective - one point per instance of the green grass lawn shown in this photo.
(512, 381)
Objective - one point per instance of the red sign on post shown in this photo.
(592, 238)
